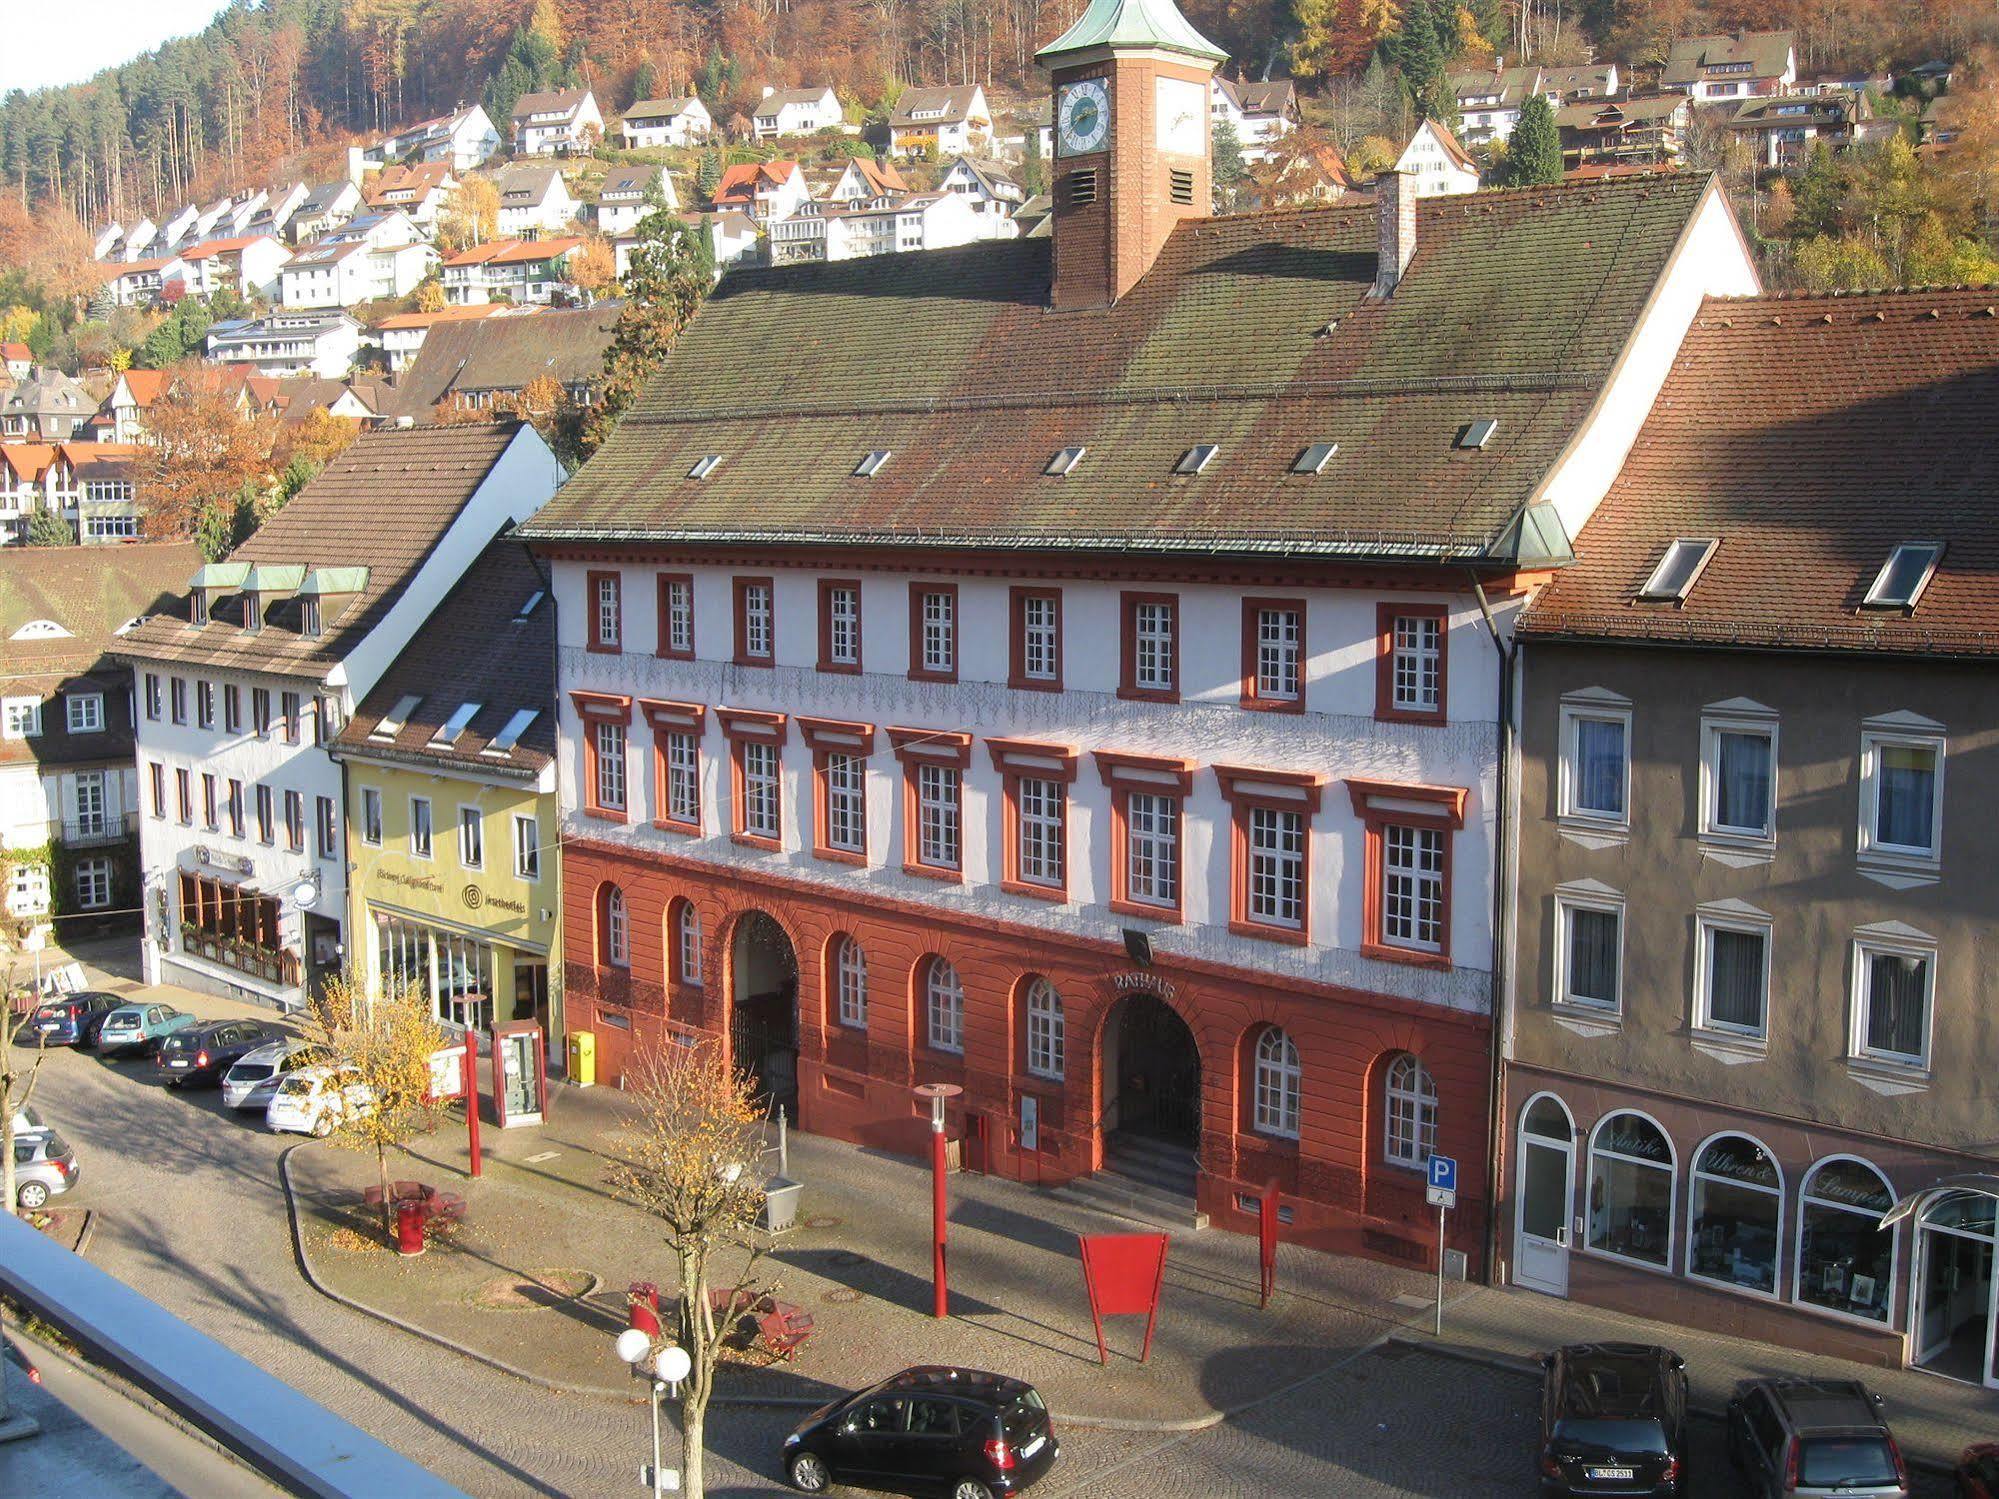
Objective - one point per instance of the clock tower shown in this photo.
(1131, 158)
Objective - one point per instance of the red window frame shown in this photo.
(266, 817)
(918, 672)
(739, 592)
(826, 661)
(1128, 602)
(1252, 696)
(593, 633)
(915, 748)
(1244, 789)
(159, 782)
(1383, 804)
(1024, 759)
(184, 795)
(596, 708)
(1016, 674)
(668, 719)
(1153, 775)
(828, 737)
(208, 807)
(663, 587)
(743, 726)
(1384, 663)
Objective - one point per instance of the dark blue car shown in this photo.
(72, 1020)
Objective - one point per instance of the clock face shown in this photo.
(1083, 117)
(1180, 111)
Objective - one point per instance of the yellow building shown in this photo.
(449, 769)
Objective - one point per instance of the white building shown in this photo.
(1746, 65)
(421, 192)
(275, 214)
(322, 210)
(533, 200)
(1436, 163)
(885, 226)
(762, 190)
(403, 333)
(240, 689)
(460, 140)
(513, 270)
(561, 120)
(1261, 112)
(138, 283)
(289, 343)
(994, 193)
(940, 122)
(374, 256)
(795, 111)
(733, 240)
(1489, 99)
(667, 122)
(250, 264)
(625, 197)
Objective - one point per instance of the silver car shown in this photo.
(253, 1080)
(43, 1166)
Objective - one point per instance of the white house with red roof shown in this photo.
(250, 263)
(521, 270)
(1437, 165)
(765, 190)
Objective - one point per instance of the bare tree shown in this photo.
(17, 1088)
(691, 1159)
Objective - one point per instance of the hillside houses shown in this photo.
(513, 270)
(794, 111)
(1436, 165)
(763, 191)
(939, 122)
(250, 264)
(556, 121)
(45, 406)
(371, 256)
(472, 366)
(138, 283)
(323, 342)
(1259, 112)
(533, 199)
(684, 121)
(402, 334)
(1749, 64)
(883, 226)
(418, 191)
(458, 141)
(732, 240)
(1489, 99)
(625, 197)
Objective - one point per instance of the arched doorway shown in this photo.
(1151, 1075)
(763, 1019)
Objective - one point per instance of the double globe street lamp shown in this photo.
(664, 1365)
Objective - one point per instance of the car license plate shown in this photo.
(1610, 1473)
(45, 1025)
(178, 1062)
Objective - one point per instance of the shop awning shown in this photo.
(1912, 1203)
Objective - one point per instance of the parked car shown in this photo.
(43, 1166)
(1814, 1437)
(137, 1029)
(250, 1083)
(314, 1099)
(71, 1020)
(1614, 1420)
(1978, 1471)
(963, 1432)
(202, 1053)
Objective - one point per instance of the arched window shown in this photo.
(1275, 1087)
(1735, 1215)
(1409, 1113)
(1548, 1119)
(1045, 1037)
(686, 942)
(850, 983)
(613, 936)
(1631, 1190)
(1846, 1261)
(944, 1003)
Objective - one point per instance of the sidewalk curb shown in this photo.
(1512, 1363)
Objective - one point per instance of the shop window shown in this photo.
(1846, 1264)
(1409, 1113)
(1046, 1034)
(944, 1007)
(1631, 1191)
(1735, 1215)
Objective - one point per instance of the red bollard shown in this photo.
(643, 1310)
(409, 1227)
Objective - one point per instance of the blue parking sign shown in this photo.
(1444, 1173)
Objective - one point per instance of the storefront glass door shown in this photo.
(1956, 1313)
(1543, 1201)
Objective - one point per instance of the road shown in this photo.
(191, 1213)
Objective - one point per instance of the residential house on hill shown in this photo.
(625, 197)
(458, 141)
(940, 122)
(17, 360)
(1436, 164)
(560, 120)
(1642, 131)
(518, 271)
(862, 179)
(992, 190)
(1748, 1064)
(1781, 130)
(533, 200)
(139, 283)
(733, 240)
(93, 486)
(1748, 64)
(371, 256)
(451, 814)
(68, 780)
(1489, 99)
(141, 235)
(24, 488)
(419, 191)
(324, 343)
(126, 411)
(402, 334)
(667, 122)
(247, 677)
(1260, 112)
(881, 226)
(275, 216)
(475, 365)
(248, 264)
(1301, 170)
(794, 111)
(45, 406)
(322, 210)
(762, 190)
(1152, 799)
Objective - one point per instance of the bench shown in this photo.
(448, 1206)
(783, 1329)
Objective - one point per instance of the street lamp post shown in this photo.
(938, 1095)
(663, 1365)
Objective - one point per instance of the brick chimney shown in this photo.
(1395, 202)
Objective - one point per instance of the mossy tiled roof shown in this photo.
(1257, 332)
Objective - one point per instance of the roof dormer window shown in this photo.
(393, 722)
(705, 465)
(453, 726)
(1477, 434)
(1313, 460)
(871, 465)
(1196, 458)
(308, 616)
(1063, 462)
(253, 611)
(1904, 576)
(1678, 570)
(197, 607)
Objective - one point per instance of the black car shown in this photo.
(1614, 1421)
(71, 1020)
(203, 1053)
(960, 1432)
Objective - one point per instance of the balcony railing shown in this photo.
(82, 832)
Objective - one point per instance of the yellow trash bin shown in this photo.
(583, 1058)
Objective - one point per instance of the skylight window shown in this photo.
(453, 726)
(507, 738)
(393, 722)
(705, 465)
(1196, 458)
(1477, 434)
(1063, 461)
(871, 465)
(1315, 458)
(1905, 575)
(1678, 569)
(529, 607)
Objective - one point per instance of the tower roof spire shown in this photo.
(1132, 24)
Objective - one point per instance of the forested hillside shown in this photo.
(268, 80)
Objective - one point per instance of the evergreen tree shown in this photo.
(672, 270)
(1416, 51)
(1312, 37)
(644, 79)
(1534, 152)
(1226, 166)
(47, 529)
(708, 176)
(1439, 102)
(1034, 170)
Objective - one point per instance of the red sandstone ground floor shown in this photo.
(1748, 1224)
(840, 1005)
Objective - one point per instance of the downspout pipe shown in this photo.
(1507, 652)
